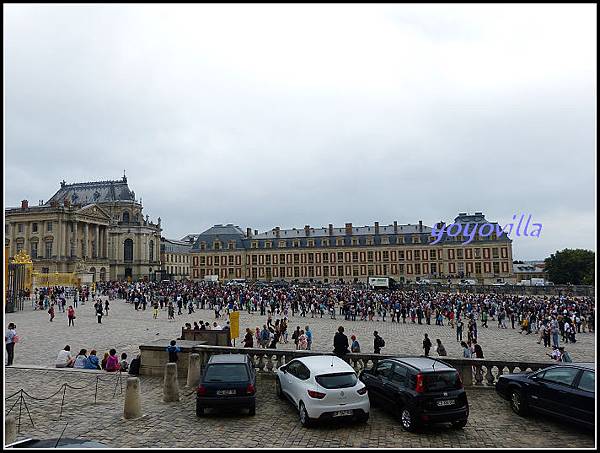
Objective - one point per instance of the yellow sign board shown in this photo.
(234, 324)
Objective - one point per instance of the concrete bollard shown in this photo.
(10, 426)
(193, 376)
(133, 406)
(170, 384)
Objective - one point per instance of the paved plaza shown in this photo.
(491, 422)
(125, 329)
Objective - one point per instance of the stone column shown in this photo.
(75, 240)
(86, 241)
(59, 239)
(193, 376)
(13, 245)
(132, 407)
(97, 241)
(106, 242)
(170, 384)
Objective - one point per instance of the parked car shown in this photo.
(229, 381)
(565, 391)
(418, 390)
(323, 387)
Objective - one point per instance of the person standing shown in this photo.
(378, 343)
(155, 310)
(426, 345)
(459, 329)
(71, 315)
(10, 339)
(309, 337)
(248, 339)
(106, 308)
(340, 343)
(51, 312)
(99, 312)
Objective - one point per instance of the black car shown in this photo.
(565, 391)
(419, 390)
(229, 381)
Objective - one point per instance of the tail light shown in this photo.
(420, 387)
(317, 395)
(201, 390)
(250, 389)
(362, 391)
(459, 383)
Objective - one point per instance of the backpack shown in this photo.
(380, 342)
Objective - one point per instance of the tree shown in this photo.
(574, 266)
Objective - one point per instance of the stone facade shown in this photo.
(95, 227)
(175, 258)
(351, 254)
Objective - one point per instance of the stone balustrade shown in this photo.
(474, 372)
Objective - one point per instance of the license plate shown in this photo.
(445, 403)
(226, 392)
(342, 413)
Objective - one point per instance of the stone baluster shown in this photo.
(269, 363)
(489, 376)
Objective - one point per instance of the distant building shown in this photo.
(351, 254)
(92, 227)
(175, 257)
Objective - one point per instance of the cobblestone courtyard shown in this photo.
(125, 329)
(491, 422)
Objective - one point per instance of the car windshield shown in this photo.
(226, 372)
(447, 380)
(337, 380)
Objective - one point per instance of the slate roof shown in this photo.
(93, 192)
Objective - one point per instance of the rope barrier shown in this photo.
(63, 388)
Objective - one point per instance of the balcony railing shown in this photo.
(473, 372)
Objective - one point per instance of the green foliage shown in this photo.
(574, 266)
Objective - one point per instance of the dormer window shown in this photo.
(281, 244)
(217, 245)
(125, 217)
(385, 240)
(268, 244)
(254, 244)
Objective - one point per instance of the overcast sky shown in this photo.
(289, 115)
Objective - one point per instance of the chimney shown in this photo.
(248, 232)
(277, 232)
(395, 227)
(255, 232)
(421, 226)
(376, 227)
(348, 229)
(307, 230)
(24, 204)
(330, 229)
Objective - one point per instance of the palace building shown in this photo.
(95, 228)
(352, 254)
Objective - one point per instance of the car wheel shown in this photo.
(199, 410)
(252, 410)
(459, 424)
(407, 419)
(278, 389)
(517, 402)
(304, 418)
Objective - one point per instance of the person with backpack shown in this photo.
(309, 337)
(378, 343)
(173, 349)
(265, 335)
(355, 346)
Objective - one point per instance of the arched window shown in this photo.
(128, 250)
(126, 217)
(102, 274)
(93, 272)
(151, 251)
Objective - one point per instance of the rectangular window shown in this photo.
(496, 267)
(417, 255)
(504, 251)
(417, 268)
(355, 257)
(495, 253)
(34, 227)
(49, 226)
(459, 254)
(400, 255)
(386, 255)
(34, 247)
(20, 227)
(326, 257)
(477, 267)
(433, 268)
(48, 249)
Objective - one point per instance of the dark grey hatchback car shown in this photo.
(228, 381)
(419, 390)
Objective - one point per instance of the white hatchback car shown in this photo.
(323, 387)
